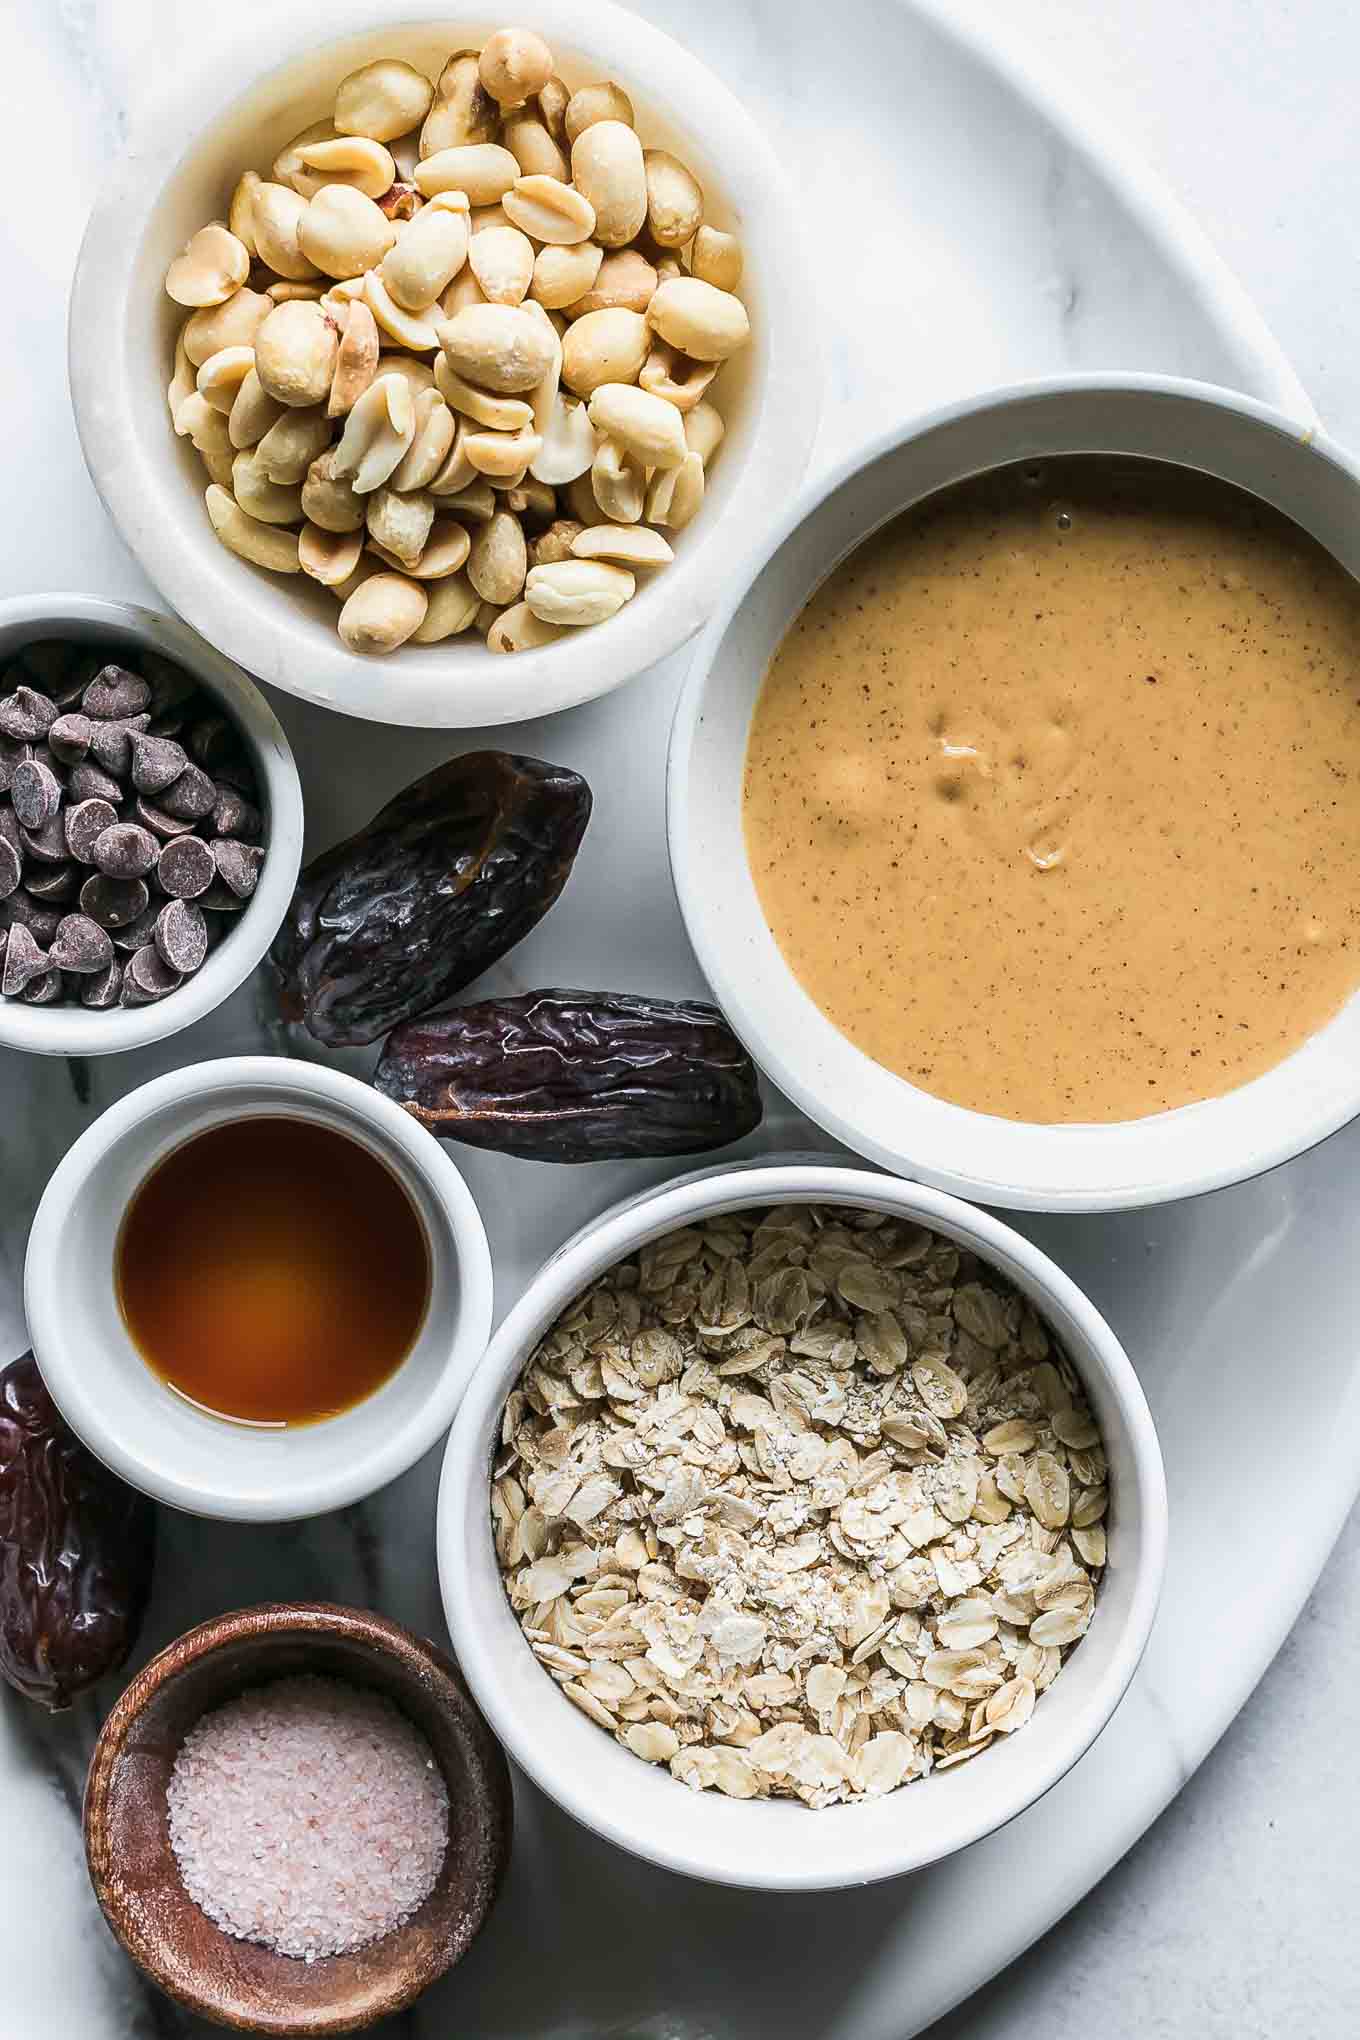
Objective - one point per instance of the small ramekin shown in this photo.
(250, 95)
(1103, 1167)
(152, 1437)
(776, 1845)
(87, 619)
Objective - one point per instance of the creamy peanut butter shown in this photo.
(1050, 793)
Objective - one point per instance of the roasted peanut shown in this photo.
(475, 504)
(231, 324)
(296, 349)
(502, 347)
(555, 543)
(417, 375)
(382, 613)
(329, 557)
(562, 276)
(182, 382)
(356, 362)
(427, 256)
(382, 100)
(501, 456)
(463, 111)
(377, 434)
(400, 524)
(604, 347)
(462, 292)
(704, 429)
(264, 545)
(569, 444)
(648, 427)
(240, 213)
(618, 480)
(625, 282)
(498, 560)
(550, 210)
(629, 545)
(457, 475)
(582, 504)
(675, 202)
(531, 498)
(276, 215)
(498, 414)
(605, 101)
(212, 264)
(284, 293)
(206, 431)
(289, 447)
(444, 552)
(453, 603)
(607, 169)
(716, 258)
(518, 630)
(253, 412)
(342, 233)
(429, 448)
(502, 260)
(348, 159)
(406, 328)
(707, 323)
(289, 167)
(260, 498)
(221, 376)
(515, 64)
(668, 373)
(577, 591)
(533, 148)
(484, 170)
(330, 499)
(674, 494)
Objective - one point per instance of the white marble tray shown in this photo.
(964, 227)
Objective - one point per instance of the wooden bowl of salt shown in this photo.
(244, 1983)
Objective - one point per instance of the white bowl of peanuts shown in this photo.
(445, 338)
(801, 1526)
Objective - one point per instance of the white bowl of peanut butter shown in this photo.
(1011, 796)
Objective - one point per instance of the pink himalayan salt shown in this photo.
(309, 1815)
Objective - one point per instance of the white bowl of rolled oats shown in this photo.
(784, 1490)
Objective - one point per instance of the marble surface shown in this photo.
(1229, 1916)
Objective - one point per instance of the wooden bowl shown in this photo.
(137, 1882)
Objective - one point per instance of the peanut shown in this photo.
(222, 374)
(292, 443)
(342, 233)
(356, 361)
(497, 560)
(296, 349)
(233, 323)
(475, 504)
(500, 346)
(382, 613)
(463, 112)
(329, 499)
(206, 431)
(515, 64)
(633, 545)
(444, 552)
(502, 260)
(452, 606)
(668, 373)
(534, 149)
(704, 429)
(710, 324)
(501, 455)
(649, 428)
(618, 481)
(607, 169)
(382, 100)
(604, 347)
(253, 412)
(674, 494)
(578, 591)
(562, 276)
(377, 433)
(240, 213)
(427, 256)
(212, 264)
(430, 444)
(498, 414)
(483, 170)
(400, 524)
(457, 476)
(675, 201)
(519, 630)
(716, 258)
(329, 557)
(406, 328)
(550, 210)
(555, 543)
(347, 159)
(276, 215)
(625, 281)
(262, 544)
(605, 101)
(260, 498)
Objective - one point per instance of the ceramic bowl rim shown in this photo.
(389, 1453)
(597, 1246)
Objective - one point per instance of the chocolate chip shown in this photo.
(47, 844)
(220, 899)
(236, 771)
(212, 740)
(53, 882)
(12, 756)
(85, 823)
(149, 974)
(21, 910)
(239, 865)
(26, 715)
(233, 814)
(125, 850)
(171, 686)
(115, 694)
(158, 821)
(181, 936)
(10, 830)
(24, 961)
(81, 945)
(43, 991)
(111, 743)
(92, 782)
(156, 762)
(12, 868)
(191, 797)
(186, 868)
(114, 902)
(69, 738)
(102, 991)
(136, 934)
(36, 794)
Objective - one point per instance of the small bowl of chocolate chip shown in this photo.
(150, 825)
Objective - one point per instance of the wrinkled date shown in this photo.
(575, 1076)
(76, 1550)
(442, 882)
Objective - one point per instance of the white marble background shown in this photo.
(1231, 1917)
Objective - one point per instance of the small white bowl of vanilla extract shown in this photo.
(257, 1290)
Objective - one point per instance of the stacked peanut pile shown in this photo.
(452, 359)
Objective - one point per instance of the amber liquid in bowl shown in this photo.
(1050, 792)
(272, 1271)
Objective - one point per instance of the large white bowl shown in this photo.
(165, 1445)
(86, 619)
(997, 1161)
(236, 112)
(775, 1845)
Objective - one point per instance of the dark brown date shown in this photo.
(443, 881)
(575, 1076)
(76, 1550)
